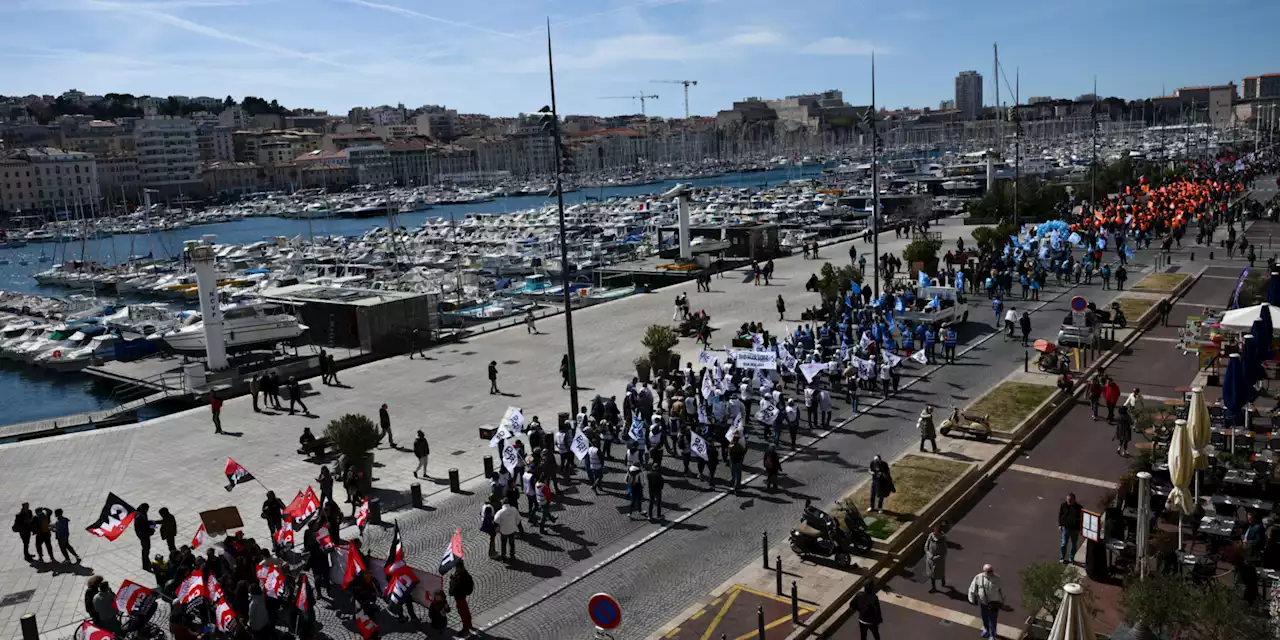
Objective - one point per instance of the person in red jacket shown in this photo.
(1111, 395)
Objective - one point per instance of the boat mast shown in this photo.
(875, 187)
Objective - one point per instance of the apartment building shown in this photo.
(215, 144)
(969, 94)
(224, 179)
(1260, 87)
(372, 164)
(168, 151)
(44, 179)
(118, 177)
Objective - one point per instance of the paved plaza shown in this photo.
(653, 569)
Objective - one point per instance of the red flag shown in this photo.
(199, 538)
(400, 578)
(224, 615)
(306, 599)
(272, 579)
(115, 518)
(215, 589)
(303, 506)
(323, 538)
(367, 627)
(355, 564)
(90, 631)
(236, 474)
(362, 515)
(130, 595)
(284, 535)
(452, 553)
(192, 589)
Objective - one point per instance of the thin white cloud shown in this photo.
(390, 8)
(755, 38)
(839, 46)
(211, 32)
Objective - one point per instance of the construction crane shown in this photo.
(642, 97)
(687, 84)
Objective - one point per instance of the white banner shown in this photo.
(767, 413)
(500, 434)
(754, 359)
(580, 445)
(734, 430)
(510, 457)
(866, 340)
(708, 387)
(893, 359)
(921, 357)
(514, 419)
(698, 446)
(708, 358)
(812, 369)
(757, 341)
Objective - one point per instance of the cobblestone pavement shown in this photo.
(177, 461)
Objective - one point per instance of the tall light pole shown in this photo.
(551, 118)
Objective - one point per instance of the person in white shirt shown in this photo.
(595, 466)
(1010, 320)
(508, 523)
(985, 592)
(1135, 400)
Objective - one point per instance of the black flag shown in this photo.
(114, 519)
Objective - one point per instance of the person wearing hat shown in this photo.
(927, 431)
(635, 490)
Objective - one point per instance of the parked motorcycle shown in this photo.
(822, 535)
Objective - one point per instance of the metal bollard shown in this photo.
(375, 510)
(795, 603)
(760, 621)
(415, 493)
(1026, 361)
(777, 571)
(764, 548)
(488, 466)
(455, 485)
(30, 631)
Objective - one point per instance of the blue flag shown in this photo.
(897, 303)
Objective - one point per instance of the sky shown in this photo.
(490, 56)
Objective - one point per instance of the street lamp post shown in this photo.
(564, 245)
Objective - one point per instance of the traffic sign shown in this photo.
(1078, 304)
(604, 611)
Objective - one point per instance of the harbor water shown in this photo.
(28, 393)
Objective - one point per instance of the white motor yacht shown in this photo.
(245, 326)
(77, 357)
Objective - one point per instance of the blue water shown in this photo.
(27, 393)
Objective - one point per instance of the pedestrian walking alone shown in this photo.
(295, 395)
(881, 483)
(529, 326)
(461, 586)
(564, 371)
(421, 450)
(985, 592)
(1069, 517)
(493, 377)
(867, 605)
(333, 371)
(927, 431)
(935, 558)
(215, 407)
(782, 308)
(384, 421)
(416, 344)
